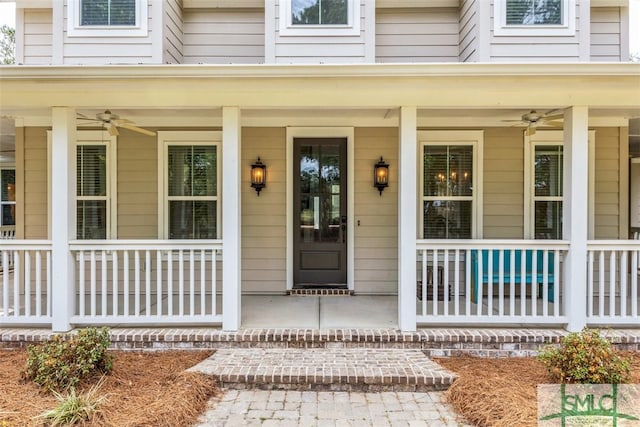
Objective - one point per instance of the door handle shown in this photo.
(343, 226)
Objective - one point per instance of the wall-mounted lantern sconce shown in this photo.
(258, 175)
(381, 175)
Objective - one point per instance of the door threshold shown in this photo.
(320, 291)
(320, 286)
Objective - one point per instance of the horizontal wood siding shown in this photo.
(469, 22)
(607, 183)
(376, 217)
(38, 36)
(137, 186)
(320, 49)
(606, 34)
(35, 183)
(223, 36)
(172, 41)
(109, 50)
(503, 201)
(535, 48)
(264, 224)
(417, 35)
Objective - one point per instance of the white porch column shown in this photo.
(63, 216)
(574, 220)
(407, 210)
(231, 250)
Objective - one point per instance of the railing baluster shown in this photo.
(181, 282)
(92, 258)
(125, 276)
(523, 286)
(534, 282)
(623, 283)
(445, 281)
(27, 283)
(214, 280)
(601, 284)
(48, 282)
(203, 289)
(114, 282)
(38, 283)
(170, 282)
(192, 291)
(467, 282)
(147, 282)
(5, 283)
(456, 284)
(556, 280)
(545, 283)
(136, 282)
(434, 282)
(612, 283)
(480, 296)
(490, 282)
(501, 283)
(104, 297)
(634, 282)
(159, 282)
(590, 294)
(81, 283)
(16, 283)
(425, 282)
(512, 283)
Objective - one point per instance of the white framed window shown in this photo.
(544, 180)
(95, 185)
(102, 18)
(319, 17)
(189, 203)
(534, 17)
(450, 184)
(7, 196)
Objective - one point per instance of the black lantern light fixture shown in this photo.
(381, 175)
(258, 175)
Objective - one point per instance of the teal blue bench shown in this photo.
(528, 278)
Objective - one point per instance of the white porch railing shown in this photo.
(612, 282)
(25, 282)
(490, 281)
(148, 282)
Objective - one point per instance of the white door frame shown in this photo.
(322, 132)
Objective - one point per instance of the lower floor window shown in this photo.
(8, 197)
(547, 194)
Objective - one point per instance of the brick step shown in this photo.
(358, 369)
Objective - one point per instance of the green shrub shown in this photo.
(64, 360)
(586, 358)
(74, 408)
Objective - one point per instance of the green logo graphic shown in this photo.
(589, 404)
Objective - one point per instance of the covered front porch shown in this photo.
(462, 247)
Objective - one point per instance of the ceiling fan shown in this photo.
(113, 121)
(533, 119)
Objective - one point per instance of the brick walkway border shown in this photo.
(434, 342)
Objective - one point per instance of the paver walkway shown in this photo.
(331, 409)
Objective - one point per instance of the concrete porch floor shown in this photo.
(319, 312)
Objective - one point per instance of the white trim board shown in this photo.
(322, 132)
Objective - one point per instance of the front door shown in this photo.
(320, 211)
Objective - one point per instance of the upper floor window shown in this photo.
(319, 18)
(108, 12)
(534, 17)
(319, 12)
(102, 18)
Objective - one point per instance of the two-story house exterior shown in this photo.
(140, 125)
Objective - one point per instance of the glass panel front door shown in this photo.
(320, 216)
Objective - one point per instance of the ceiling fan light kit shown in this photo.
(533, 119)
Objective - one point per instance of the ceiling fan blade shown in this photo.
(554, 117)
(113, 131)
(137, 129)
(554, 123)
(120, 122)
(511, 121)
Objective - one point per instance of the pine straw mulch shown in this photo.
(502, 392)
(143, 389)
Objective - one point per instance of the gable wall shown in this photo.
(468, 27)
(222, 36)
(172, 46)
(606, 34)
(37, 36)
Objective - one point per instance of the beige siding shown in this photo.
(264, 217)
(109, 50)
(503, 199)
(222, 36)
(535, 48)
(417, 35)
(606, 34)
(172, 41)
(35, 183)
(137, 186)
(607, 183)
(468, 30)
(376, 217)
(38, 36)
(320, 49)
